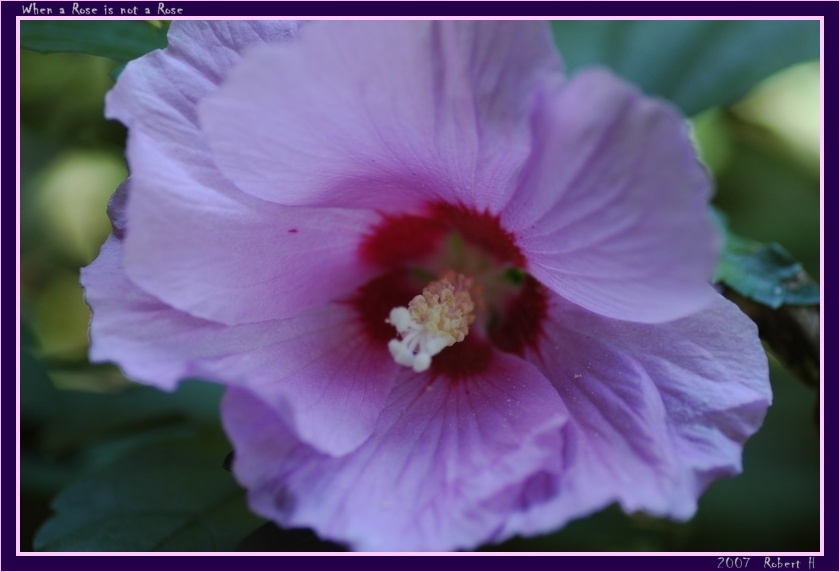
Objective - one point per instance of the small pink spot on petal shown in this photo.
(293, 231)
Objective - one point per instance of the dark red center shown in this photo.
(413, 249)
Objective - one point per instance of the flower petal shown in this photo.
(230, 260)
(657, 411)
(612, 213)
(437, 452)
(434, 111)
(198, 243)
(317, 370)
(159, 91)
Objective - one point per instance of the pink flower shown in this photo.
(456, 296)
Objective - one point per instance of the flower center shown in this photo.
(475, 295)
(436, 319)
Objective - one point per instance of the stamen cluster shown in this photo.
(436, 319)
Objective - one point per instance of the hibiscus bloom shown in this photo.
(455, 295)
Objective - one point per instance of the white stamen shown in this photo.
(434, 320)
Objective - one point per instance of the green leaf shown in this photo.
(605, 531)
(173, 495)
(271, 538)
(765, 273)
(696, 64)
(37, 394)
(120, 40)
(85, 417)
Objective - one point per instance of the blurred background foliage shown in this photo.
(81, 421)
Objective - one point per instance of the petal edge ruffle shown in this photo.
(429, 477)
(612, 211)
(315, 370)
(657, 412)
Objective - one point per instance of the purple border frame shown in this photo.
(416, 8)
(828, 10)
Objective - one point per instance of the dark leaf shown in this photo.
(169, 496)
(792, 332)
(227, 463)
(696, 64)
(37, 394)
(120, 40)
(84, 417)
(271, 538)
(607, 530)
(776, 293)
(765, 273)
